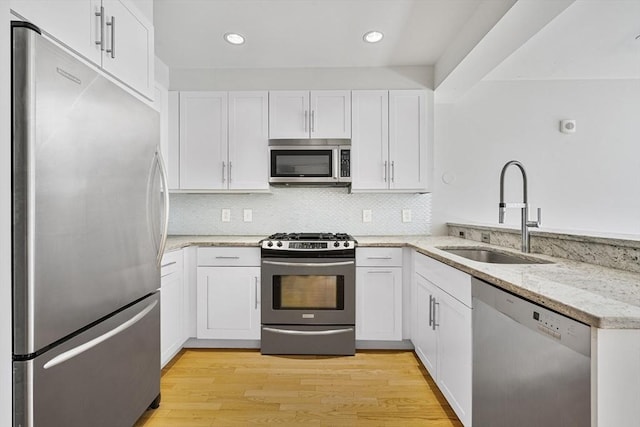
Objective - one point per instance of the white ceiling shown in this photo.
(591, 39)
(306, 33)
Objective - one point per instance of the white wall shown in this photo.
(586, 181)
(5, 220)
(302, 78)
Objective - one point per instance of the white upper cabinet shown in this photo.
(128, 39)
(203, 140)
(223, 141)
(112, 34)
(370, 140)
(389, 146)
(408, 140)
(248, 141)
(317, 114)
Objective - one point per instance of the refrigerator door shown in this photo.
(85, 185)
(103, 377)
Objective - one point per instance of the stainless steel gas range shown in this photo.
(308, 294)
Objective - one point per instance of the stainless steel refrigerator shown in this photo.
(89, 226)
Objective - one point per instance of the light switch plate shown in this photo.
(366, 215)
(247, 215)
(226, 215)
(406, 215)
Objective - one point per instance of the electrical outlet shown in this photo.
(406, 215)
(462, 235)
(485, 237)
(247, 215)
(226, 215)
(366, 215)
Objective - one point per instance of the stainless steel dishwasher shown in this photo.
(531, 365)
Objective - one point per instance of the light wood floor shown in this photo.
(241, 387)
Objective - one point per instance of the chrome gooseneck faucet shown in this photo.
(526, 247)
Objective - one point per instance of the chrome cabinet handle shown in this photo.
(393, 171)
(384, 170)
(379, 271)
(306, 113)
(378, 257)
(227, 257)
(224, 165)
(168, 264)
(255, 288)
(430, 310)
(435, 314)
(229, 171)
(101, 15)
(313, 121)
(112, 24)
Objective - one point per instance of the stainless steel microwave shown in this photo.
(310, 164)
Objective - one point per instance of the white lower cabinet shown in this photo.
(441, 330)
(172, 316)
(379, 294)
(228, 293)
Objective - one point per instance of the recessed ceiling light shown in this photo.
(234, 38)
(373, 36)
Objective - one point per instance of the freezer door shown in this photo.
(86, 195)
(104, 377)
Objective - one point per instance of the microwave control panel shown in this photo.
(345, 163)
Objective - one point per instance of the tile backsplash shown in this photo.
(300, 209)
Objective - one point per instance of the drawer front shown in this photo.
(171, 264)
(228, 257)
(453, 281)
(379, 257)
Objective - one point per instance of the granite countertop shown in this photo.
(598, 296)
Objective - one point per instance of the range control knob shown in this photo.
(346, 244)
(279, 244)
(270, 243)
(336, 244)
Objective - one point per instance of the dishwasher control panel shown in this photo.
(556, 326)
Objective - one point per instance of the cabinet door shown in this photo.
(454, 354)
(424, 337)
(71, 22)
(172, 334)
(408, 140)
(248, 141)
(228, 303)
(330, 114)
(379, 303)
(289, 114)
(370, 140)
(129, 38)
(203, 140)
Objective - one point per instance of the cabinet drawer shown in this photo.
(379, 257)
(229, 257)
(454, 282)
(171, 263)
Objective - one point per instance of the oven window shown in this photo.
(308, 292)
(301, 163)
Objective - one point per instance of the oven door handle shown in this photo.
(290, 332)
(310, 264)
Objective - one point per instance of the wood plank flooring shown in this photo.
(202, 388)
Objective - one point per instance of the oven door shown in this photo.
(308, 291)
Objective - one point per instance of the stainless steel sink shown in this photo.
(492, 256)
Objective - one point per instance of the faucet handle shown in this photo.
(538, 220)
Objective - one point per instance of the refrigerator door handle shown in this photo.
(165, 193)
(102, 338)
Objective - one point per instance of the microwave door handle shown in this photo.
(336, 164)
